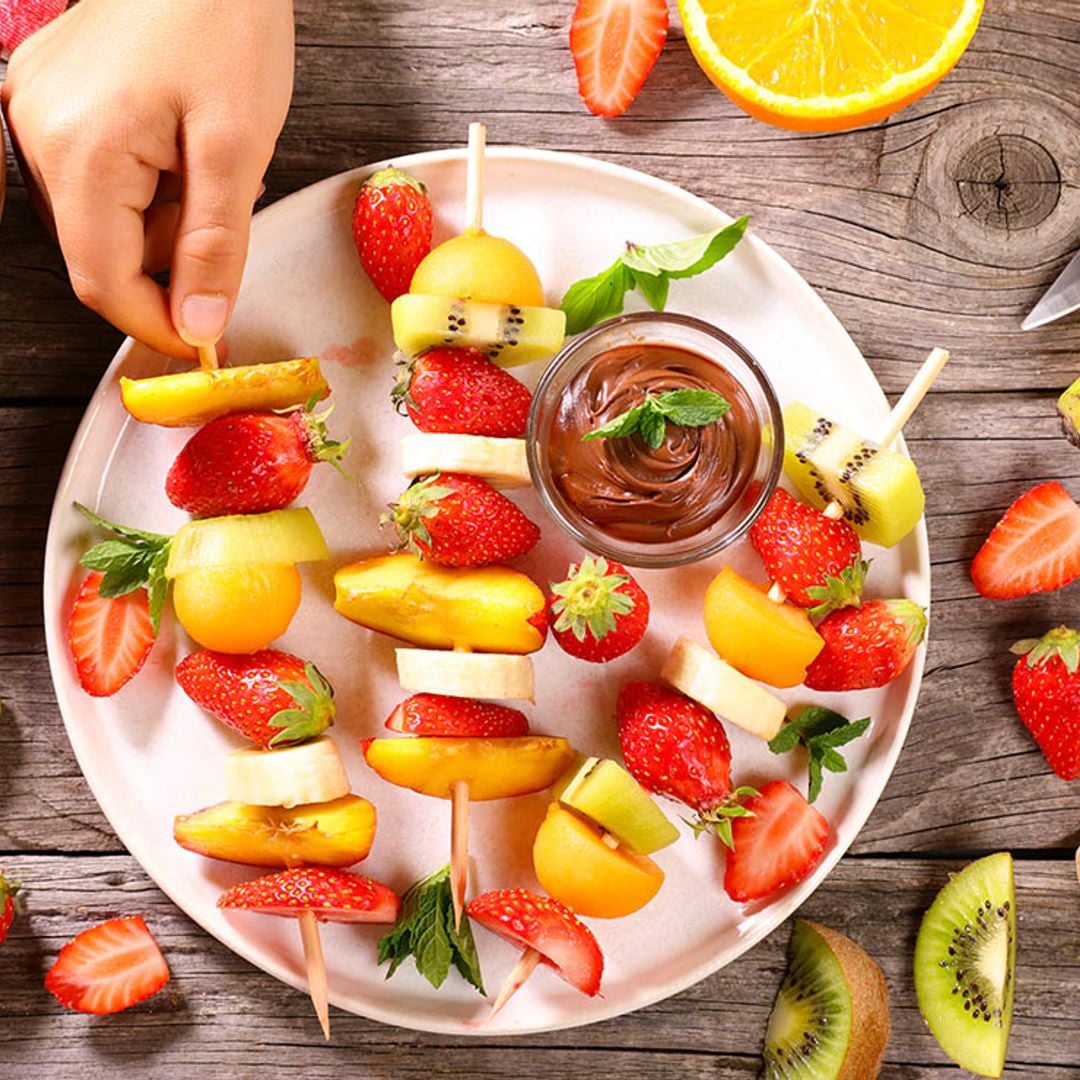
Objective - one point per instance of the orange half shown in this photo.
(827, 65)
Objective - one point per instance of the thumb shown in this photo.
(220, 185)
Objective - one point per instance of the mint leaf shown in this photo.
(425, 931)
(684, 408)
(820, 731)
(692, 408)
(624, 424)
(596, 298)
(150, 538)
(650, 268)
(652, 426)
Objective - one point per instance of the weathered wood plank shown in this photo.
(224, 1016)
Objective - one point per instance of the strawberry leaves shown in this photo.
(425, 931)
(134, 561)
(820, 731)
(683, 408)
(719, 818)
(314, 711)
(648, 268)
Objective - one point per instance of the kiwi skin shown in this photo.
(869, 1006)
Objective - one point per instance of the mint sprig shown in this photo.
(136, 560)
(650, 268)
(425, 931)
(684, 408)
(820, 731)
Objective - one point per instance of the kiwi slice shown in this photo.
(506, 334)
(1069, 410)
(878, 488)
(831, 1017)
(604, 791)
(965, 957)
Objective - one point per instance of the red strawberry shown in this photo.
(778, 842)
(615, 44)
(21, 18)
(9, 904)
(270, 697)
(331, 895)
(460, 391)
(458, 520)
(815, 559)
(392, 223)
(531, 921)
(1046, 690)
(250, 462)
(445, 716)
(1034, 548)
(673, 746)
(110, 637)
(868, 646)
(109, 967)
(599, 612)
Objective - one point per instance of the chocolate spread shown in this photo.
(623, 486)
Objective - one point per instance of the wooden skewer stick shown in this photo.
(474, 179)
(208, 357)
(525, 966)
(900, 415)
(316, 969)
(459, 847)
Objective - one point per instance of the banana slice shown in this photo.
(707, 679)
(497, 676)
(309, 773)
(501, 461)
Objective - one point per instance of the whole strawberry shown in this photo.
(868, 646)
(1046, 690)
(392, 223)
(461, 392)
(817, 560)
(673, 746)
(458, 520)
(270, 697)
(9, 905)
(599, 612)
(250, 462)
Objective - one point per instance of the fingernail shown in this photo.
(202, 319)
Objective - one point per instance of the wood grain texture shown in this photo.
(941, 226)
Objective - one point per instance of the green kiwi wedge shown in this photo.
(965, 957)
(1069, 410)
(831, 1017)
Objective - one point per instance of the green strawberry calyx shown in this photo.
(392, 176)
(314, 711)
(590, 600)
(717, 819)
(840, 590)
(10, 890)
(409, 516)
(911, 616)
(400, 397)
(1062, 642)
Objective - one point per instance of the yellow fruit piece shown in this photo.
(493, 768)
(194, 397)
(827, 65)
(476, 266)
(767, 641)
(490, 609)
(237, 609)
(574, 864)
(336, 833)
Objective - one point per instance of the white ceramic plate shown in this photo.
(148, 753)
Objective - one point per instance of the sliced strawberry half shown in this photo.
(1034, 548)
(615, 44)
(330, 895)
(110, 638)
(531, 921)
(108, 968)
(445, 716)
(779, 842)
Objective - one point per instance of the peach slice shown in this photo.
(576, 865)
(492, 768)
(336, 833)
(490, 609)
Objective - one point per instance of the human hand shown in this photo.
(145, 127)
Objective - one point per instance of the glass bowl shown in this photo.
(654, 509)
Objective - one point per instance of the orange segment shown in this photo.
(827, 65)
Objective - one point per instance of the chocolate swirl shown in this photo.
(622, 485)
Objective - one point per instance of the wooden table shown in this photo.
(940, 227)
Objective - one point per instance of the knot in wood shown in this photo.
(1007, 182)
